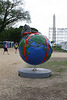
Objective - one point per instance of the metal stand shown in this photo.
(34, 69)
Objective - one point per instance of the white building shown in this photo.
(61, 35)
(50, 35)
(64, 45)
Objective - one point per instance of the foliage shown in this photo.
(10, 13)
(1, 45)
(12, 34)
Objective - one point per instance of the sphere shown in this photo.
(35, 49)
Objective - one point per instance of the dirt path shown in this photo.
(14, 87)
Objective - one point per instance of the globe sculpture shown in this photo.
(34, 48)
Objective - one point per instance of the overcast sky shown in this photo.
(42, 12)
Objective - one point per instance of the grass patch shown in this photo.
(58, 48)
(56, 75)
(50, 64)
(56, 66)
(61, 85)
(61, 70)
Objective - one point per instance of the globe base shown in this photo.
(34, 73)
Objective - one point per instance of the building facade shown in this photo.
(61, 35)
(64, 45)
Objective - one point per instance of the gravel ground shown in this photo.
(14, 87)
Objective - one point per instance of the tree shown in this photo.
(10, 13)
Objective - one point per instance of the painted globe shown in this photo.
(35, 48)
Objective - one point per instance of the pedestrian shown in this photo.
(16, 47)
(5, 49)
